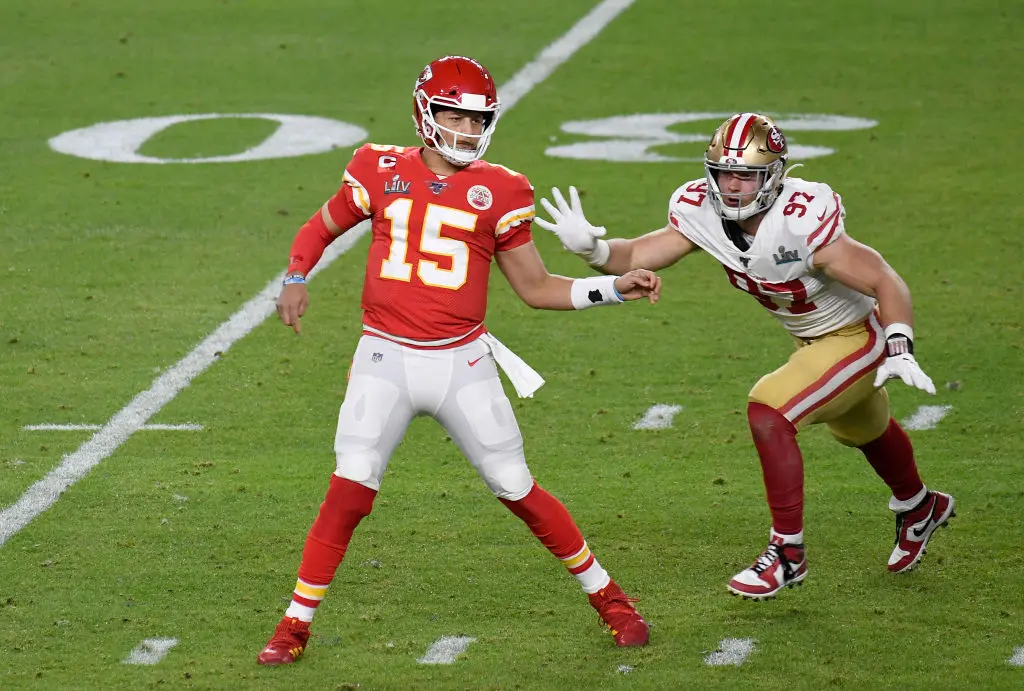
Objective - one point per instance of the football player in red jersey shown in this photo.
(439, 214)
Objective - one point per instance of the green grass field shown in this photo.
(113, 272)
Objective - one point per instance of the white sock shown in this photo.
(796, 539)
(300, 612)
(593, 577)
(903, 505)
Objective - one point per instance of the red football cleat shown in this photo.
(779, 566)
(620, 616)
(287, 643)
(915, 527)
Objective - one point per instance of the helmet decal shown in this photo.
(776, 141)
(425, 76)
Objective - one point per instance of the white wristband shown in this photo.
(596, 290)
(598, 256)
(898, 328)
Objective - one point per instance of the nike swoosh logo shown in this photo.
(924, 528)
(473, 362)
(822, 217)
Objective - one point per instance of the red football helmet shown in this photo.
(455, 82)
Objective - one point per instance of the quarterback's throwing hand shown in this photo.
(639, 283)
(906, 368)
(292, 304)
(569, 223)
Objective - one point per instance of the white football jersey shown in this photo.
(777, 269)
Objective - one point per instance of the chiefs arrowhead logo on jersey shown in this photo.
(479, 197)
(775, 140)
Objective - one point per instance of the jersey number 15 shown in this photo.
(395, 266)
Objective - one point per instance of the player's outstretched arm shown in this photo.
(655, 250)
(531, 281)
(862, 268)
(307, 248)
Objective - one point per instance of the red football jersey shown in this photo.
(432, 240)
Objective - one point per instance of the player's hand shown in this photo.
(639, 283)
(569, 223)
(906, 368)
(292, 304)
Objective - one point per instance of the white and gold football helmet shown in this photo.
(747, 142)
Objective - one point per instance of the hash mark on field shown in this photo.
(926, 417)
(731, 651)
(658, 416)
(1018, 657)
(150, 651)
(74, 466)
(53, 427)
(445, 649)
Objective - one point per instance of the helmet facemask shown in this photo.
(750, 143)
(769, 184)
(432, 132)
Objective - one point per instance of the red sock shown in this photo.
(549, 520)
(345, 505)
(782, 466)
(892, 457)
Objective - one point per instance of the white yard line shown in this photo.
(150, 651)
(445, 650)
(55, 427)
(1017, 659)
(74, 466)
(549, 59)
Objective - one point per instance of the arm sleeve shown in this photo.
(309, 244)
(349, 205)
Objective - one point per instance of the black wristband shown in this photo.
(899, 344)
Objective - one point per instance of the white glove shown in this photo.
(906, 368)
(572, 228)
(899, 345)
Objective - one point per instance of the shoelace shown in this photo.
(618, 599)
(899, 528)
(767, 558)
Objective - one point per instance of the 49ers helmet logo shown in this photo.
(776, 141)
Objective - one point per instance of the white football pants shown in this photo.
(459, 387)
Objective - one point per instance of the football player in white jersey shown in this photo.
(782, 240)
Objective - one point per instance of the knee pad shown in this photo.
(506, 474)
(361, 429)
(358, 464)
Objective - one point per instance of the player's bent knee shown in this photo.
(506, 475)
(360, 465)
(766, 422)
